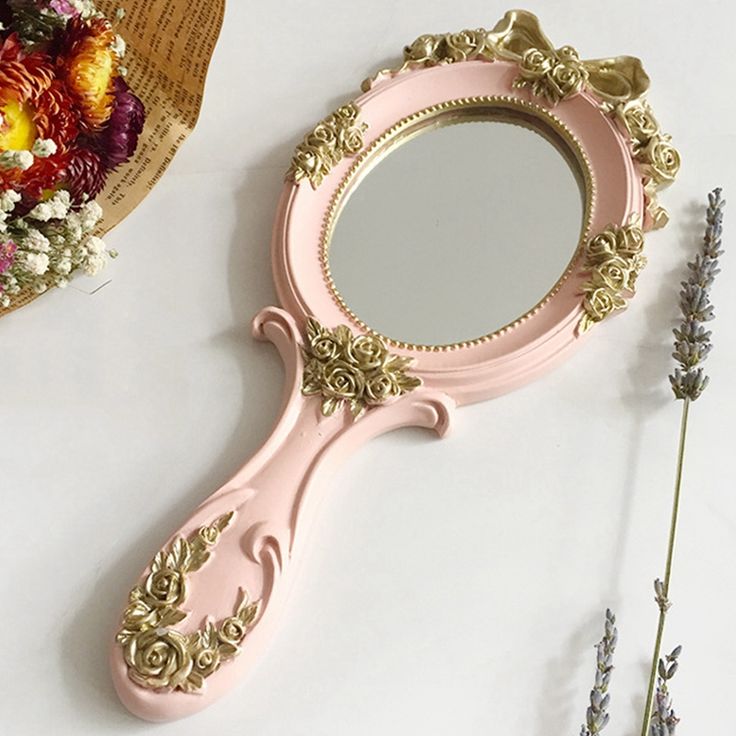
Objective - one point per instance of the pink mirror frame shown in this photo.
(188, 635)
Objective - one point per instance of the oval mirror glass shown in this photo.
(458, 231)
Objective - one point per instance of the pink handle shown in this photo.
(204, 608)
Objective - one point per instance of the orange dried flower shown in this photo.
(56, 117)
(26, 102)
(89, 66)
(23, 76)
(43, 176)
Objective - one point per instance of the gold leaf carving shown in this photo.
(337, 136)
(614, 259)
(158, 656)
(353, 371)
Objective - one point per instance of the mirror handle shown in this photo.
(205, 607)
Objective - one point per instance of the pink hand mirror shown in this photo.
(446, 237)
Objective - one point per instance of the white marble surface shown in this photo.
(452, 587)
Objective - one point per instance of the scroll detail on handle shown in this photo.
(161, 664)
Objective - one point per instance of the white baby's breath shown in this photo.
(49, 244)
(36, 240)
(64, 266)
(86, 8)
(90, 214)
(44, 147)
(118, 46)
(94, 264)
(36, 263)
(12, 286)
(16, 160)
(55, 208)
(8, 199)
(74, 229)
(94, 245)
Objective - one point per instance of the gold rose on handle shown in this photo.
(353, 371)
(158, 656)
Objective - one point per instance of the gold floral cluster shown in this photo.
(552, 74)
(654, 151)
(159, 657)
(439, 48)
(357, 371)
(615, 260)
(432, 49)
(337, 136)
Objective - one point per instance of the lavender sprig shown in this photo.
(597, 716)
(692, 346)
(692, 340)
(664, 721)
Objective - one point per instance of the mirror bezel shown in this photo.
(519, 353)
(602, 103)
(487, 108)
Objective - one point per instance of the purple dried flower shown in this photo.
(63, 7)
(7, 255)
(596, 717)
(692, 340)
(86, 175)
(664, 721)
(120, 137)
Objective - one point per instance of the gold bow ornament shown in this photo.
(556, 74)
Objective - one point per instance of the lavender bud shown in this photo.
(596, 715)
(692, 340)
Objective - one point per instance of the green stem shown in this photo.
(668, 569)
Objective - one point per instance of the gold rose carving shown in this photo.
(614, 259)
(653, 150)
(555, 74)
(441, 48)
(355, 371)
(337, 136)
(158, 656)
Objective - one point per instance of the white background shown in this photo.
(452, 587)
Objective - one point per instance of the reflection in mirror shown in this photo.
(459, 231)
